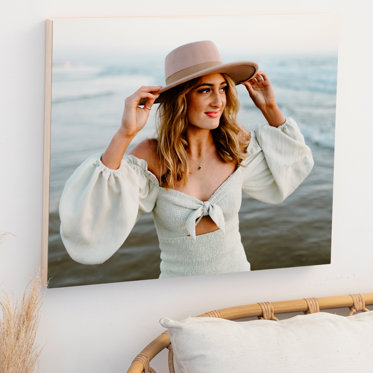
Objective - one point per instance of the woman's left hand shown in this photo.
(261, 92)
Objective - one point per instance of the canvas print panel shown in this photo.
(98, 63)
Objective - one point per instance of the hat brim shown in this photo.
(238, 71)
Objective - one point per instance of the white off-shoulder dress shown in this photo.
(99, 206)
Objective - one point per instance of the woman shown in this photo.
(192, 176)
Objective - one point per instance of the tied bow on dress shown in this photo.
(205, 209)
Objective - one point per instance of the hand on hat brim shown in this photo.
(260, 90)
(134, 116)
(151, 96)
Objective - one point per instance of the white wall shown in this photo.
(101, 328)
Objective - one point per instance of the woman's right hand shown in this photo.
(134, 116)
(133, 120)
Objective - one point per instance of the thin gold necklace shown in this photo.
(199, 165)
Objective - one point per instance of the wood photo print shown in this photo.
(257, 196)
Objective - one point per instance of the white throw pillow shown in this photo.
(315, 343)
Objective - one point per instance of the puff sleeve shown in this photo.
(278, 161)
(99, 206)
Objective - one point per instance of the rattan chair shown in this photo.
(266, 310)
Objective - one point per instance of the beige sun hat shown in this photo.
(200, 58)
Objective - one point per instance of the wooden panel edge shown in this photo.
(46, 149)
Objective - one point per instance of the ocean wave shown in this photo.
(320, 138)
(116, 70)
(315, 86)
(309, 74)
(86, 96)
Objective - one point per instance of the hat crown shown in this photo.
(189, 56)
(193, 60)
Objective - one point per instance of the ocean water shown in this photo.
(87, 105)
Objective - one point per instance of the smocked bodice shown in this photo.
(187, 211)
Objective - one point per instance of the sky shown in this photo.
(244, 36)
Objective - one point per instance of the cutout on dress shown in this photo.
(206, 225)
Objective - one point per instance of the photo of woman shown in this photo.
(190, 177)
(191, 160)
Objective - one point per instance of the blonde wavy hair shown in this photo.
(230, 139)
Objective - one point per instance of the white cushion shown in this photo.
(316, 343)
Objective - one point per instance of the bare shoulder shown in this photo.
(147, 150)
